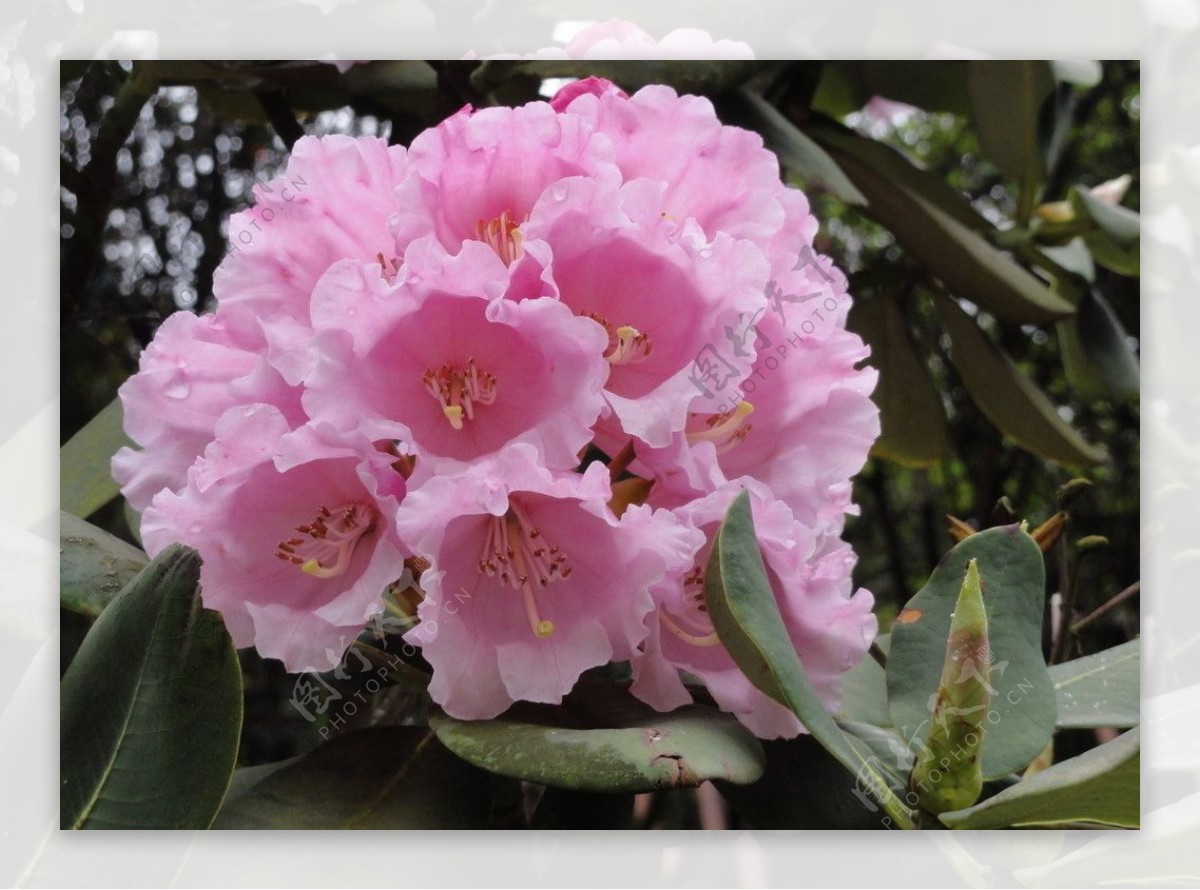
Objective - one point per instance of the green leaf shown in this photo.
(1119, 223)
(1100, 786)
(378, 777)
(894, 756)
(937, 226)
(848, 85)
(864, 692)
(797, 152)
(738, 596)
(932, 85)
(85, 479)
(1020, 720)
(151, 707)
(1007, 98)
(94, 565)
(245, 779)
(602, 739)
(1007, 397)
(1096, 355)
(1116, 240)
(1103, 689)
(893, 172)
(913, 421)
(1073, 256)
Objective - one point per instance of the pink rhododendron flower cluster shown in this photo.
(449, 359)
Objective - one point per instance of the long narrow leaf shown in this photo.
(739, 600)
(1007, 397)
(85, 481)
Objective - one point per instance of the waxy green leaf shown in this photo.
(377, 777)
(85, 479)
(602, 739)
(1006, 396)
(911, 414)
(94, 565)
(739, 599)
(151, 707)
(1101, 786)
(1103, 689)
(1020, 719)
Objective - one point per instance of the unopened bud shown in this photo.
(948, 774)
(1072, 490)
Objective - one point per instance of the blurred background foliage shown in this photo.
(984, 211)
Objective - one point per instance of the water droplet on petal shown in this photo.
(178, 390)
(559, 192)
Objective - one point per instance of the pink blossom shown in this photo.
(533, 579)
(432, 361)
(294, 530)
(658, 297)
(333, 202)
(195, 369)
(801, 421)
(602, 269)
(477, 175)
(810, 576)
(680, 142)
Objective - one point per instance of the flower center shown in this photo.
(626, 344)
(324, 547)
(695, 628)
(459, 389)
(515, 551)
(501, 235)
(724, 430)
(389, 268)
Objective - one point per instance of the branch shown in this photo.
(283, 119)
